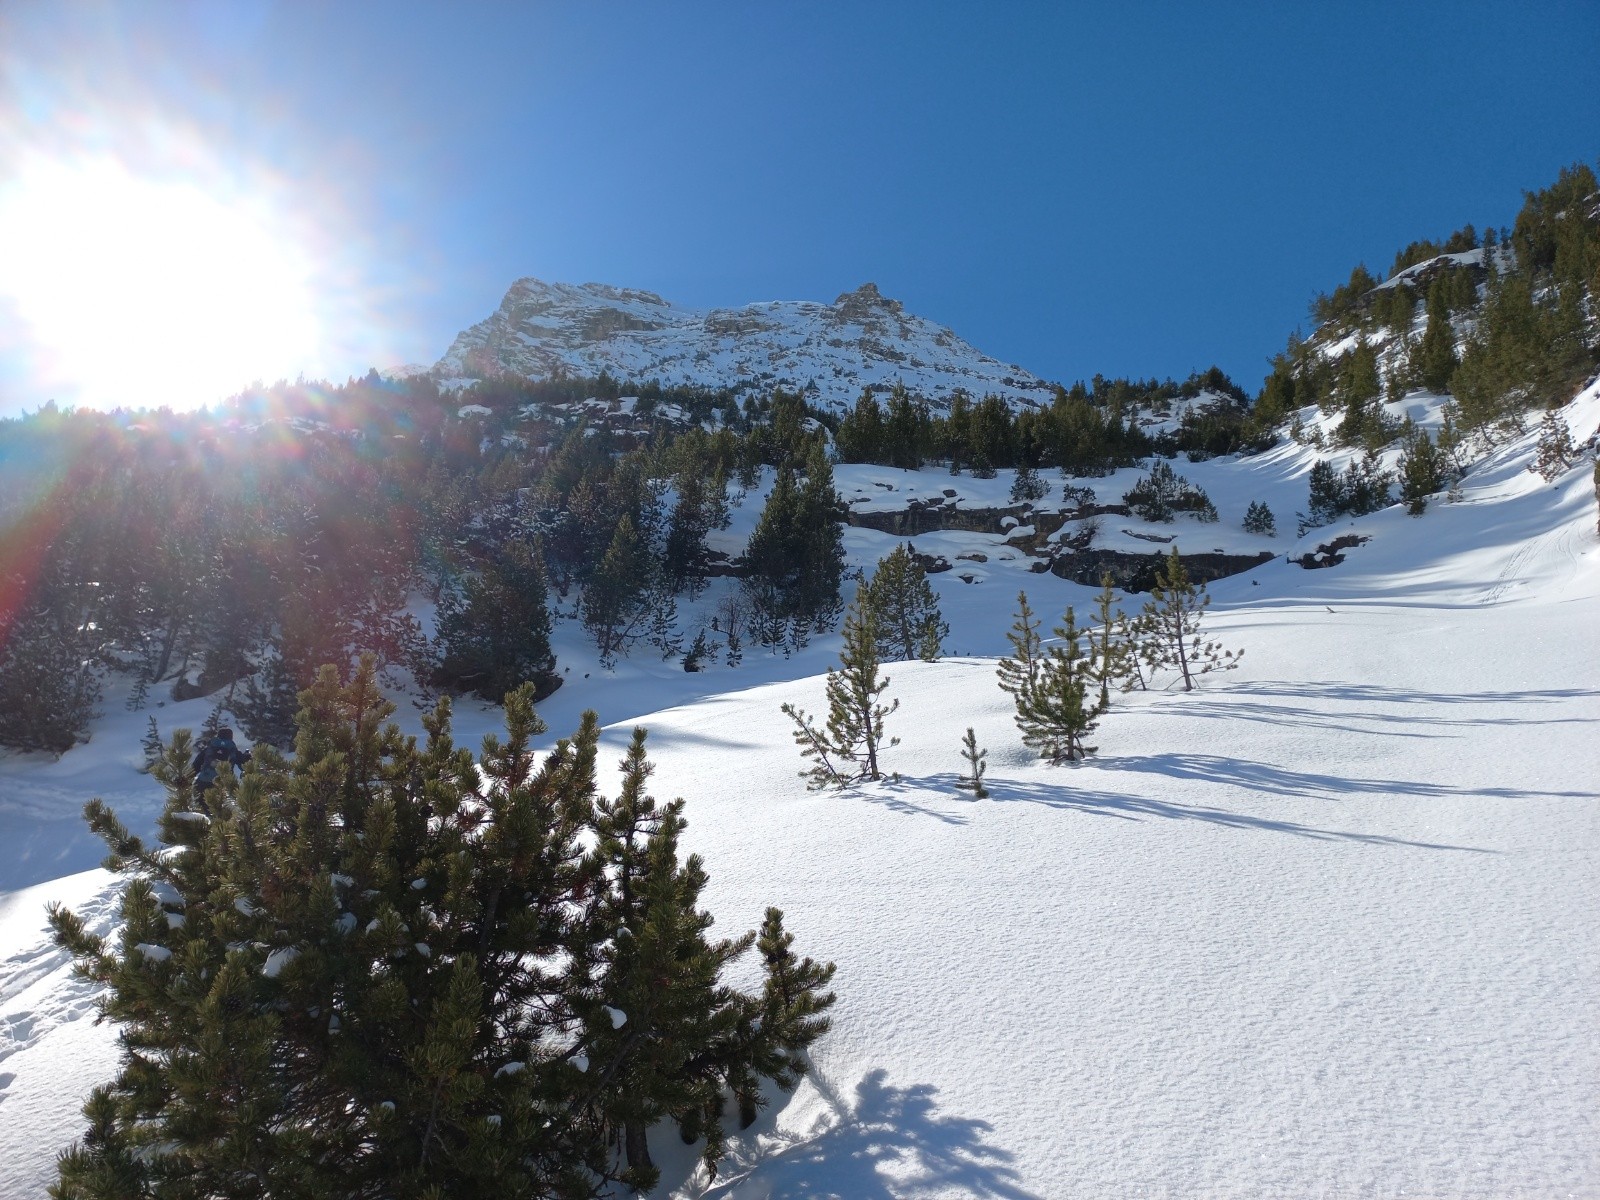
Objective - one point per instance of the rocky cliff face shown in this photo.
(830, 351)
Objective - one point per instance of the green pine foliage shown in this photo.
(1170, 626)
(627, 600)
(845, 748)
(1161, 494)
(903, 607)
(795, 557)
(1422, 471)
(494, 629)
(1027, 486)
(1435, 358)
(1111, 644)
(1059, 709)
(976, 766)
(1019, 670)
(369, 971)
(860, 437)
(1359, 392)
(1362, 488)
(1258, 519)
(1555, 452)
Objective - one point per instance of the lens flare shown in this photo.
(152, 291)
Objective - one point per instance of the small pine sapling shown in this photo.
(1058, 712)
(1258, 519)
(152, 745)
(845, 749)
(976, 766)
(1170, 623)
(1111, 644)
(1019, 672)
(1027, 486)
(1555, 452)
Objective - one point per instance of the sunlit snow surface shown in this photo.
(1325, 928)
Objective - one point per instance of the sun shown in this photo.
(147, 291)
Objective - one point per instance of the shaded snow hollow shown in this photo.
(1324, 928)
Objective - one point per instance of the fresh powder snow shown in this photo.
(1326, 926)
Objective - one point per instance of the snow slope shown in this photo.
(830, 350)
(1326, 927)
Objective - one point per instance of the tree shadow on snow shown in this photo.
(896, 795)
(1138, 808)
(891, 1143)
(1282, 781)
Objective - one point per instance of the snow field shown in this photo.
(1323, 928)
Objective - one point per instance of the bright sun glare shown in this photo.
(144, 291)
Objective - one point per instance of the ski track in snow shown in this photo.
(1325, 928)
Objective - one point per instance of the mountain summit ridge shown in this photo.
(829, 351)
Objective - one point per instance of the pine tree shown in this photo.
(1436, 355)
(904, 609)
(1027, 485)
(1422, 471)
(795, 558)
(1170, 624)
(626, 599)
(846, 748)
(1111, 644)
(975, 766)
(494, 630)
(379, 970)
(662, 1001)
(1360, 389)
(1555, 453)
(48, 691)
(1019, 671)
(1258, 519)
(1059, 710)
(152, 745)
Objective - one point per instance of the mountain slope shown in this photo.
(1322, 928)
(831, 351)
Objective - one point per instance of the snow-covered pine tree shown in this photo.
(1170, 626)
(1059, 710)
(373, 972)
(973, 782)
(845, 749)
(904, 609)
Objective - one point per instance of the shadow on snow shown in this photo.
(891, 1142)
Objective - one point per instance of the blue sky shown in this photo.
(1137, 189)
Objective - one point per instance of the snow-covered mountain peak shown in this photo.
(829, 351)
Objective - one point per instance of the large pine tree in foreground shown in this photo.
(366, 972)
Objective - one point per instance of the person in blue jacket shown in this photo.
(216, 755)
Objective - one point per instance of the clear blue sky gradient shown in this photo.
(1132, 189)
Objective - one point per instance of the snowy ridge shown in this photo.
(831, 351)
(1322, 928)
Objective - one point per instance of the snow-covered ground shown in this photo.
(1326, 927)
